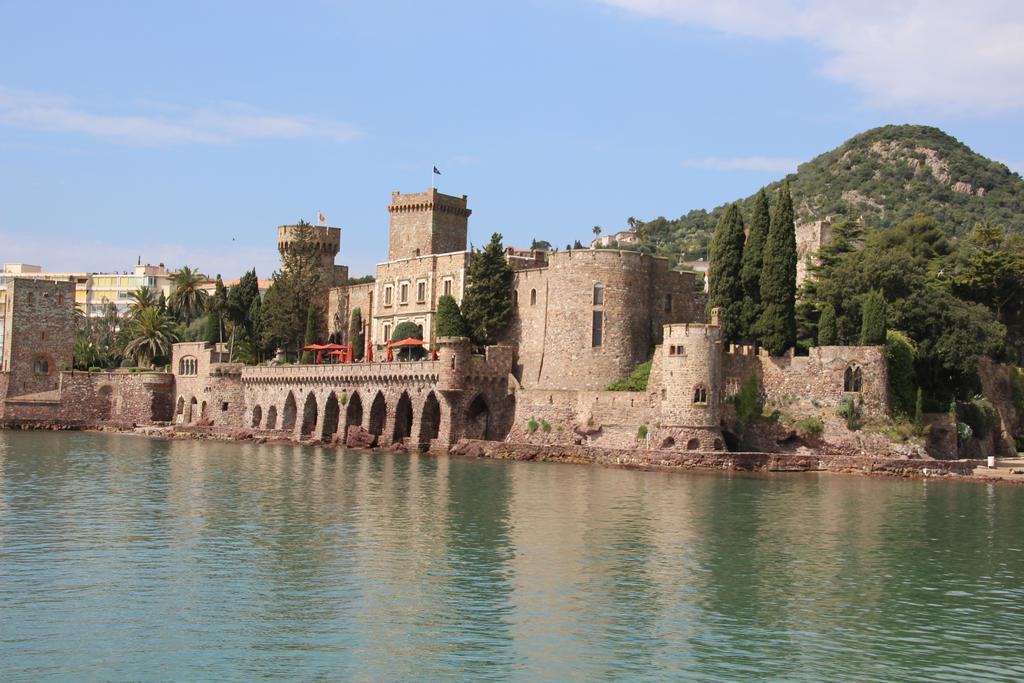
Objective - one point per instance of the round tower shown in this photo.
(325, 241)
(691, 390)
(453, 354)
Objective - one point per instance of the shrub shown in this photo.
(641, 432)
(850, 411)
(1017, 386)
(810, 426)
(901, 355)
(748, 402)
(979, 414)
(532, 425)
(95, 369)
(827, 326)
(449, 321)
(637, 380)
(873, 314)
(343, 399)
(1019, 443)
(545, 426)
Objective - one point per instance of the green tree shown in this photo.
(211, 329)
(901, 357)
(141, 299)
(216, 310)
(310, 335)
(284, 310)
(408, 330)
(872, 328)
(355, 333)
(188, 300)
(150, 337)
(449, 322)
(237, 305)
(487, 303)
(724, 284)
(777, 324)
(753, 262)
(827, 326)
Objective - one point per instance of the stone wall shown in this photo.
(39, 333)
(426, 223)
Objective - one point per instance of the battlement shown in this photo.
(429, 201)
(425, 223)
(327, 240)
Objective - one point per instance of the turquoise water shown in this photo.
(124, 558)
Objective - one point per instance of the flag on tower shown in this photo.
(436, 171)
(321, 217)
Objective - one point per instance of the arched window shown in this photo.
(700, 394)
(41, 366)
(188, 366)
(515, 297)
(599, 294)
(533, 297)
(852, 379)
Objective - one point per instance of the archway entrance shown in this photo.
(331, 414)
(308, 415)
(353, 413)
(193, 410)
(478, 419)
(272, 417)
(430, 420)
(179, 411)
(105, 403)
(378, 415)
(403, 419)
(288, 416)
(257, 417)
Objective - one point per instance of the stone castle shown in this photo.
(582, 319)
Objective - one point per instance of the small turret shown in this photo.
(453, 354)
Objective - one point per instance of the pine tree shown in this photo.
(487, 303)
(310, 337)
(449, 318)
(827, 326)
(355, 333)
(293, 289)
(873, 312)
(777, 325)
(725, 260)
(753, 262)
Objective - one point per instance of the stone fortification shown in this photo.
(39, 333)
(427, 223)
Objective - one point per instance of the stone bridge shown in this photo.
(422, 404)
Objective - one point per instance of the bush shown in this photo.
(95, 369)
(1019, 443)
(641, 432)
(343, 399)
(748, 402)
(408, 330)
(1017, 386)
(637, 380)
(901, 355)
(849, 409)
(979, 414)
(810, 426)
(532, 425)
(449, 321)
(545, 426)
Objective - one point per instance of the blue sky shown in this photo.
(185, 132)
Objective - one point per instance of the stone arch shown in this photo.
(309, 415)
(700, 394)
(533, 297)
(271, 418)
(478, 418)
(179, 410)
(354, 412)
(257, 417)
(332, 411)
(289, 413)
(669, 442)
(430, 419)
(193, 406)
(105, 402)
(378, 414)
(403, 418)
(202, 411)
(852, 378)
(692, 445)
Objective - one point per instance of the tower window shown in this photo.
(668, 303)
(41, 366)
(448, 287)
(533, 297)
(597, 336)
(403, 293)
(598, 295)
(387, 295)
(421, 292)
(852, 379)
(700, 394)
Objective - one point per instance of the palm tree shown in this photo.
(142, 298)
(151, 336)
(596, 230)
(188, 300)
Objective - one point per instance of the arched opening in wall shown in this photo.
(718, 445)
(430, 420)
(533, 297)
(378, 414)
(271, 418)
(288, 415)
(353, 412)
(852, 378)
(179, 410)
(193, 410)
(669, 442)
(700, 394)
(692, 445)
(332, 412)
(478, 419)
(202, 412)
(308, 415)
(403, 419)
(105, 403)
(257, 417)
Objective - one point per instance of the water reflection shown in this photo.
(128, 558)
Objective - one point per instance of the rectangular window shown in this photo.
(448, 287)
(598, 296)
(387, 333)
(421, 292)
(596, 335)
(387, 296)
(403, 293)
(668, 303)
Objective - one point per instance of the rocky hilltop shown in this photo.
(882, 176)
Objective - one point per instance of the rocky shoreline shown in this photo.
(667, 460)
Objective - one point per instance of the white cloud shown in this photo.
(773, 164)
(950, 54)
(222, 124)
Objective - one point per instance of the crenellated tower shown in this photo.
(427, 223)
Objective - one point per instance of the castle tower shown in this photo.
(326, 242)
(39, 333)
(427, 223)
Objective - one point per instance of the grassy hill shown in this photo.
(882, 176)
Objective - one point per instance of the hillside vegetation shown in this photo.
(884, 176)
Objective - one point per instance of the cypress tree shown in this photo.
(827, 326)
(872, 325)
(487, 303)
(725, 258)
(449, 318)
(310, 337)
(355, 333)
(777, 324)
(753, 262)
(211, 329)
